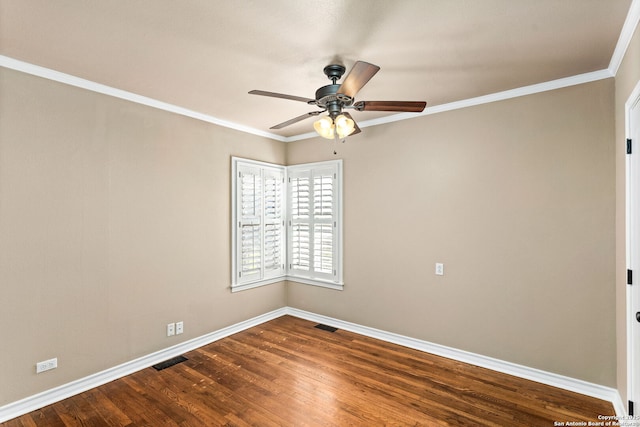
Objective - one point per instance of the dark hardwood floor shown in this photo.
(286, 372)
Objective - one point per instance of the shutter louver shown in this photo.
(300, 199)
(300, 247)
(323, 230)
(322, 196)
(273, 219)
(250, 223)
(300, 230)
(323, 248)
(251, 251)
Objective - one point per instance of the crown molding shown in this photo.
(495, 97)
(71, 80)
(629, 27)
(57, 76)
(485, 99)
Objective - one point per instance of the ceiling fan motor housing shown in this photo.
(326, 97)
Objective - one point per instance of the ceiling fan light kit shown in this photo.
(334, 98)
(329, 128)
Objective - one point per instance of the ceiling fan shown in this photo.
(335, 98)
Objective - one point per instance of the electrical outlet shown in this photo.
(171, 329)
(439, 269)
(179, 327)
(47, 365)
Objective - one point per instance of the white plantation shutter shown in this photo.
(250, 223)
(309, 250)
(274, 204)
(300, 236)
(259, 223)
(323, 248)
(324, 227)
(300, 247)
(314, 221)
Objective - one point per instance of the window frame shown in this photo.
(287, 273)
(238, 282)
(335, 280)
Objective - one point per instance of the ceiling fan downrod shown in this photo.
(334, 72)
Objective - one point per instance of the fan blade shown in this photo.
(408, 106)
(295, 120)
(359, 75)
(357, 129)
(283, 96)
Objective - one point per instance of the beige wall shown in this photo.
(627, 78)
(516, 198)
(114, 221)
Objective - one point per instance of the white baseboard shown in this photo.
(579, 386)
(48, 397)
(32, 403)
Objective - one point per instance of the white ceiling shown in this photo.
(205, 55)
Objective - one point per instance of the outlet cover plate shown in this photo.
(46, 365)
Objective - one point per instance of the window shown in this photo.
(287, 224)
(314, 221)
(259, 222)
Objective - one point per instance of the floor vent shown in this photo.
(326, 327)
(168, 363)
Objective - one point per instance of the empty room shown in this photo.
(319, 213)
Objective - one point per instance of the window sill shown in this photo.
(251, 285)
(338, 286)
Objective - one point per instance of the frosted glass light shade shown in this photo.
(344, 126)
(325, 127)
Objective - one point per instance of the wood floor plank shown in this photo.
(45, 417)
(286, 372)
(110, 413)
(362, 379)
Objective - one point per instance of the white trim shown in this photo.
(47, 73)
(631, 204)
(626, 34)
(338, 286)
(579, 386)
(629, 27)
(313, 276)
(314, 282)
(495, 97)
(48, 397)
(68, 79)
(236, 159)
(32, 403)
(259, 283)
(486, 99)
(239, 283)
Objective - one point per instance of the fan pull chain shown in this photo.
(335, 144)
